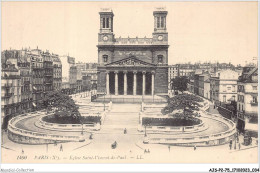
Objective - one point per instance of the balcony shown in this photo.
(37, 67)
(254, 103)
(26, 82)
(8, 95)
(48, 74)
(7, 85)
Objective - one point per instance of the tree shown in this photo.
(179, 83)
(62, 104)
(186, 102)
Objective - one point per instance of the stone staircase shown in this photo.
(120, 117)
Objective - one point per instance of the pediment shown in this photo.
(130, 61)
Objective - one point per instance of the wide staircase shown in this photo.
(120, 117)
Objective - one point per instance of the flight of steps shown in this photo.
(120, 117)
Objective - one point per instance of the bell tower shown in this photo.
(106, 34)
(160, 34)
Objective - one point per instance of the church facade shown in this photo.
(132, 66)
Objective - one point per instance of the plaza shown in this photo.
(120, 117)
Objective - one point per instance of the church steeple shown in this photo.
(106, 25)
(160, 34)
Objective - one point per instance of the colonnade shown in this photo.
(126, 83)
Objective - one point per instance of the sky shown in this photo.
(197, 31)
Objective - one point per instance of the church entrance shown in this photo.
(120, 83)
(139, 86)
(148, 83)
(130, 83)
(112, 83)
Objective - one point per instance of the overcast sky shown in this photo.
(198, 31)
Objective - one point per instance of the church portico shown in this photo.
(129, 82)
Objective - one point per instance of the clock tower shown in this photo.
(106, 35)
(160, 34)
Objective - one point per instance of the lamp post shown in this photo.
(104, 101)
(82, 129)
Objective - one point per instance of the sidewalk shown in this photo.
(212, 110)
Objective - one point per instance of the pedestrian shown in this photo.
(148, 151)
(169, 147)
(230, 146)
(144, 151)
(61, 149)
(235, 146)
(195, 147)
(22, 151)
(239, 146)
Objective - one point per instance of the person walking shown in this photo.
(239, 146)
(22, 151)
(61, 148)
(144, 151)
(169, 147)
(148, 151)
(195, 147)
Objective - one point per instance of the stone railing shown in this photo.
(69, 127)
(30, 134)
(213, 139)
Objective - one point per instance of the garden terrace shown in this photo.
(71, 120)
(176, 121)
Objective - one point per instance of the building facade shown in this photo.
(68, 62)
(57, 72)
(48, 71)
(247, 103)
(132, 66)
(37, 72)
(90, 76)
(223, 86)
(10, 89)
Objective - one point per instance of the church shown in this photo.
(132, 66)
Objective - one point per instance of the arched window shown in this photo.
(105, 58)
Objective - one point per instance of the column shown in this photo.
(153, 83)
(144, 82)
(107, 83)
(125, 82)
(135, 72)
(116, 83)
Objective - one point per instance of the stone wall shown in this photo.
(161, 80)
(101, 82)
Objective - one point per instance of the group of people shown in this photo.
(235, 143)
(61, 147)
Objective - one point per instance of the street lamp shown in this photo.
(104, 100)
(82, 129)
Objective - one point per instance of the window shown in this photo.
(162, 22)
(233, 88)
(104, 22)
(224, 98)
(107, 23)
(105, 57)
(233, 98)
(254, 99)
(160, 58)
(224, 88)
(158, 22)
(254, 87)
